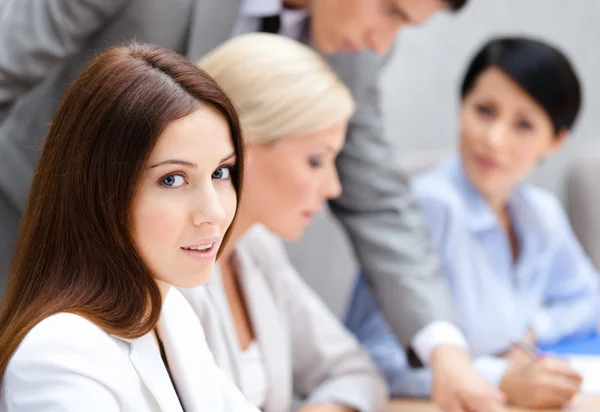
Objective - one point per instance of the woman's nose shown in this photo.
(208, 208)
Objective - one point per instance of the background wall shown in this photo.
(421, 82)
(420, 103)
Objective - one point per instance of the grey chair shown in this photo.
(583, 201)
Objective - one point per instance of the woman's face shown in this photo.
(505, 134)
(186, 200)
(288, 181)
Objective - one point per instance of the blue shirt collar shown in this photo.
(482, 217)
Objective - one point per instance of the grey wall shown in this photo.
(420, 83)
(420, 103)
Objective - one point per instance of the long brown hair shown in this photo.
(74, 251)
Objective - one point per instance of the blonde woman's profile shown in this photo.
(280, 342)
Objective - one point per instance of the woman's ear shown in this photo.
(557, 141)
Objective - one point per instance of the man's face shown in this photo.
(355, 25)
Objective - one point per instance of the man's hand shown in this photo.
(457, 387)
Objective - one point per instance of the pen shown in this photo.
(530, 349)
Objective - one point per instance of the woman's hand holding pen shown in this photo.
(523, 351)
(545, 382)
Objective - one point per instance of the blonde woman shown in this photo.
(267, 329)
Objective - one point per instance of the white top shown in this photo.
(68, 364)
(253, 375)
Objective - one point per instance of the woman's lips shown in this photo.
(204, 253)
(486, 163)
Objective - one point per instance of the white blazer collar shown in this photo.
(146, 359)
(200, 384)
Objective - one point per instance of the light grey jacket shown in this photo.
(44, 44)
(308, 354)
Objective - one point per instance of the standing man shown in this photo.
(44, 44)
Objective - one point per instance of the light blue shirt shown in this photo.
(552, 288)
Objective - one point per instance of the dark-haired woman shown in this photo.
(515, 268)
(134, 192)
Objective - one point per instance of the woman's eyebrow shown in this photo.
(174, 162)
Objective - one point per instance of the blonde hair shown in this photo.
(281, 87)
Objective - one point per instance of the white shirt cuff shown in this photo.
(435, 334)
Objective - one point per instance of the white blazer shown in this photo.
(308, 354)
(68, 364)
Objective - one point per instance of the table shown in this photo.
(580, 404)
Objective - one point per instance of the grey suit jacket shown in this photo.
(308, 354)
(44, 44)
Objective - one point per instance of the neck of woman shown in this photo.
(499, 204)
(243, 223)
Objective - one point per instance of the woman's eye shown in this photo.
(484, 110)
(391, 10)
(222, 173)
(315, 162)
(525, 125)
(171, 181)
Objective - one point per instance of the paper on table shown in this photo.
(589, 368)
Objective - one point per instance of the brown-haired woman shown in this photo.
(135, 190)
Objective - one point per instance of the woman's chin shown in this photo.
(196, 279)
(288, 228)
(291, 234)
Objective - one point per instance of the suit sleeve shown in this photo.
(329, 366)
(385, 225)
(36, 36)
